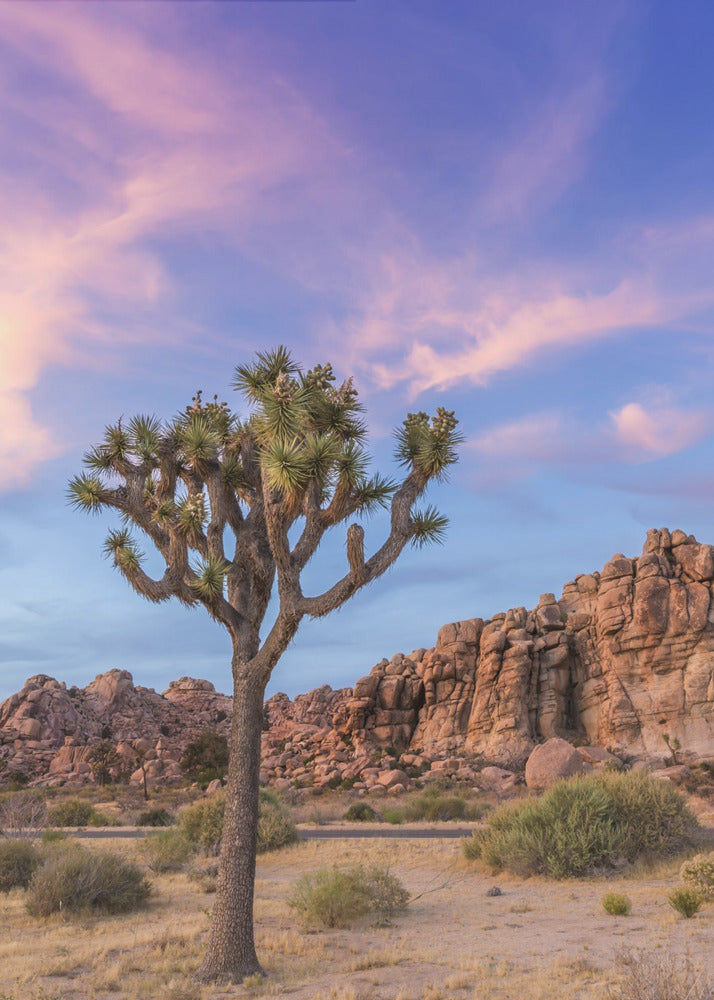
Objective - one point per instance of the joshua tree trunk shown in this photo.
(231, 948)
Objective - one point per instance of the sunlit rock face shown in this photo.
(624, 658)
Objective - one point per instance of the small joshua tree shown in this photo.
(103, 759)
(274, 483)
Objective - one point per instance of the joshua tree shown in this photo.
(103, 759)
(274, 483)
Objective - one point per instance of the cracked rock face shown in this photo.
(622, 659)
(625, 657)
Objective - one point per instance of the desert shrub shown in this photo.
(102, 819)
(360, 812)
(53, 836)
(167, 851)
(434, 808)
(652, 817)
(330, 897)
(616, 904)
(471, 846)
(18, 861)
(584, 825)
(685, 900)
(644, 976)
(393, 816)
(23, 812)
(698, 872)
(275, 828)
(206, 758)
(156, 817)
(202, 824)
(76, 880)
(73, 812)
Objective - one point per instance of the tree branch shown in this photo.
(401, 532)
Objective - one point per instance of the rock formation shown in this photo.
(623, 659)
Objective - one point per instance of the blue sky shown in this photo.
(505, 211)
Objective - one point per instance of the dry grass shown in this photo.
(539, 940)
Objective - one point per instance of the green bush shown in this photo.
(156, 817)
(167, 851)
(18, 861)
(360, 812)
(102, 819)
(435, 808)
(698, 872)
(585, 825)
(73, 812)
(686, 901)
(616, 904)
(206, 758)
(393, 816)
(275, 828)
(202, 824)
(53, 836)
(333, 898)
(75, 880)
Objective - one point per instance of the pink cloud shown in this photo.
(636, 433)
(148, 142)
(658, 430)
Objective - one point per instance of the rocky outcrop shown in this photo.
(624, 658)
(48, 730)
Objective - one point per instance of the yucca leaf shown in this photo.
(98, 459)
(352, 465)
(253, 379)
(191, 513)
(144, 435)
(210, 576)
(199, 440)
(284, 466)
(428, 526)
(233, 473)
(86, 493)
(434, 455)
(282, 417)
(116, 442)
(165, 511)
(374, 493)
(122, 548)
(321, 452)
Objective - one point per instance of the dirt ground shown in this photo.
(538, 940)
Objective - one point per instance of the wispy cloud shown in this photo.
(541, 163)
(144, 143)
(636, 433)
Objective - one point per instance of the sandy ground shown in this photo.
(539, 940)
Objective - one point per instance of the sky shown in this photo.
(505, 209)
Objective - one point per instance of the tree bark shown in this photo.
(231, 948)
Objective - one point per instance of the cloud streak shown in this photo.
(145, 143)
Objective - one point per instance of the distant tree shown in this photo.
(274, 484)
(206, 757)
(103, 760)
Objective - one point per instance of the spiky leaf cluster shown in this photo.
(428, 445)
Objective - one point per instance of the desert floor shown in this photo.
(539, 940)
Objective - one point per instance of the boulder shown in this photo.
(551, 761)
